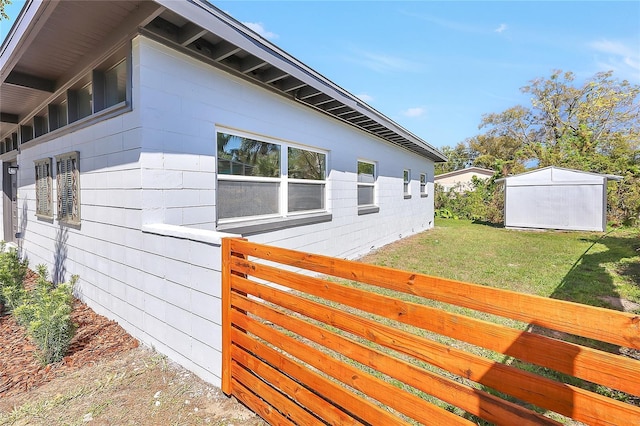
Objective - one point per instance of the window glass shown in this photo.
(366, 172)
(242, 156)
(407, 180)
(423, 183)
(254, 180)
(84, 101)
(116, 84)
(365, 195)
(242, 199)
(304, 164)
(306, 196)
(366, 183)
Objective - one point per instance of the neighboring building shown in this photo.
(137, 134)
(462, 180)
(556, 198)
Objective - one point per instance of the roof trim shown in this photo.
(607, 176)
(201, 12)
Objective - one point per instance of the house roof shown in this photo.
(478, 170)
(564, 173)
(51, 43)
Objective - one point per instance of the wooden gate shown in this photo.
(310, 339)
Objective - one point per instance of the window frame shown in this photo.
(373, 206)
(283, 180)
(423, 185)
(68, 185)
(44, 178)
(406, 183)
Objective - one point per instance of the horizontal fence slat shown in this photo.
(593, 365)
(257, 405)
(474, 401)
(606, 325)
(562, 398)
(351, 376)
(272, 396)
(316, 404)
(364, 410)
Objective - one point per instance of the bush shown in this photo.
(13, 271)
(484, 202)
(46, 314)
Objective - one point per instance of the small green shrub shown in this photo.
(46, 314)
(13, 271)
(483, 201)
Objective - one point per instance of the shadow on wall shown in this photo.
(22, 227)
(60, 255)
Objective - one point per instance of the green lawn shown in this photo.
(576, 266)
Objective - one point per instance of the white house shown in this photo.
(462, 180)
(136, 134)
(556, 198)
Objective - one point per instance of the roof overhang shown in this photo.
(43, 51)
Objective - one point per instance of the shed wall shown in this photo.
(556, 206)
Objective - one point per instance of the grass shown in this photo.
(582, 267)
(577, 266)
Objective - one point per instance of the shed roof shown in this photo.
(558, 174)
(43, 51)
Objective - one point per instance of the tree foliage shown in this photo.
(3, 14)
(593, 126)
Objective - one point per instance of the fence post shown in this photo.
(226, 321)
(226, 311)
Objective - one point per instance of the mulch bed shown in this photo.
(96, 338)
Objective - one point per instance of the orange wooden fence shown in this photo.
(312, 347)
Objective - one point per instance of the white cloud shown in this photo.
(414, 112)
(381, 62)
(501, 28)
(258, 27)
(365, 97)
(623, 59)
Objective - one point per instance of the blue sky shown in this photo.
(437, 67)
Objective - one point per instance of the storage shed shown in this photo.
(556, 198)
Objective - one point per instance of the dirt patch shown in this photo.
(620, 303)
(105, 379)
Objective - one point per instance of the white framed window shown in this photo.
(260, 178)
(367, 176)
(80, 100)
(44, 189)
(406, 178)
(110, 85)
(68, 187)
(423, 184)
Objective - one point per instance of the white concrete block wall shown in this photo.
(200, 98)
(147, 251)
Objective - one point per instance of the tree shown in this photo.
(501, 153)
(458, 158)
(593, 127)
(570, 124)
(3, 14)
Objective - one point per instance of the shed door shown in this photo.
(10, 202)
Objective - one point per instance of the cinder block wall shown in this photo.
(147, 251)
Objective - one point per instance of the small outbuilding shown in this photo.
(462, 180)
(556, 198)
